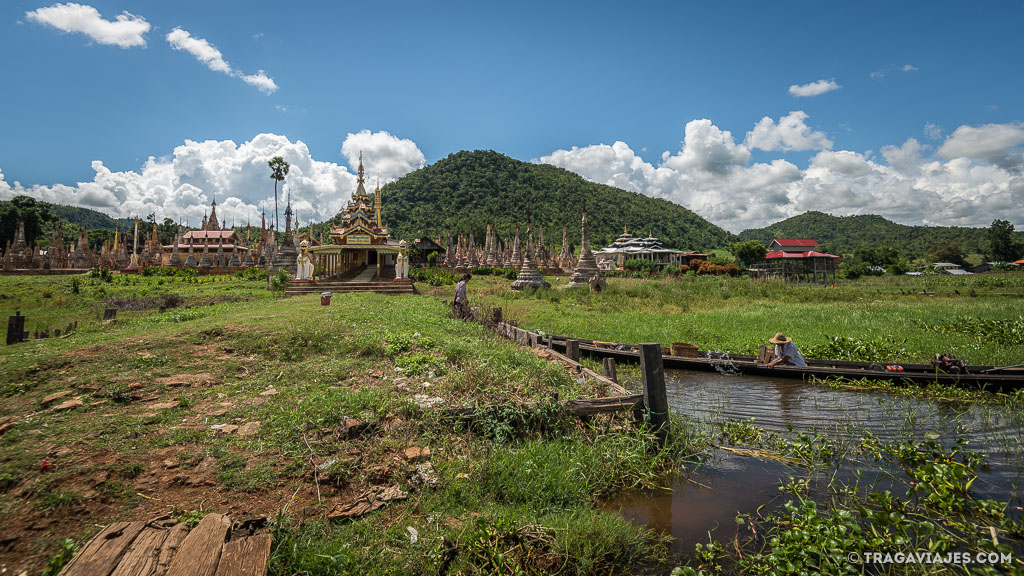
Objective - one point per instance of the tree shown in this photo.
(946, 251)
(748, 252)
(1000, 240)
(278, 170)
(882, 256)
(167, 230)
(24, 208)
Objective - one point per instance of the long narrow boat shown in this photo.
(992, 378)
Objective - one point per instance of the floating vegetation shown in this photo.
(1008, 331)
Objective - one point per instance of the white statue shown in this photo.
(402, 262)
(303, 266)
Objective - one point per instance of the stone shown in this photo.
(269, 392)
(56, 396)
(163, 405)
(372, 499)
(425, 475)
(217, 413)
(69, 405)
(248, 429)
(415, 453)
(224, 429)
(6, 426)
(171, 463)
(424, 401)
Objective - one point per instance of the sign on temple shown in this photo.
(362, 241)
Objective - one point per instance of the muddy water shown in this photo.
(706, 500)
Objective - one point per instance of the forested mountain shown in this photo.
(845, 234)
(91, 219)
(41, 218)
(466, 190)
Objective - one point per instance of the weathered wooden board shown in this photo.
(199, 553)
(168, 550)
(143, 555)
(101, 555)
(603, 405)
(245, 556)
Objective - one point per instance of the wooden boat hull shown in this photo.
(747, 364)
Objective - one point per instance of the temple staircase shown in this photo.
(364, 281)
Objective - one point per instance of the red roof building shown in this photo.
(792, 245)
(796, 260)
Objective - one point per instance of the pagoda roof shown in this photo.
(209, 233)
(808, 254)
(795, 242)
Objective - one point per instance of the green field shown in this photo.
(519, 490)
(153, 384)
(979, 319)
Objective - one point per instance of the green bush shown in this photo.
(434, 276)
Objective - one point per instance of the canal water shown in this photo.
(704, 502)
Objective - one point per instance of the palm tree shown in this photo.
(278, 170)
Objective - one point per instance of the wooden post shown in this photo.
(497, 315)
(609, 369)
(572, 349)
(15, 328)
(655, 395)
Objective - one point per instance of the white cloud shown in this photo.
(208, 54)
(181, 185)
(909, 186)
(932, 131)
(880, 74)
(791, 133)
(384, 156)
(126, 31)
(816, 88)
(990, 142)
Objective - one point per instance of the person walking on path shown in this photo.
(460, 306)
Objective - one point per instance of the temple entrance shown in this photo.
(371, 257)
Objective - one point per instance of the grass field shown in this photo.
(979, 319)
(328, 399)
(293, 375)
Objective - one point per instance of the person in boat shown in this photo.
(786, 352)
(460, 306)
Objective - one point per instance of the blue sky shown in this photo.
(532, 80)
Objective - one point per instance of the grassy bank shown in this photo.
(326, 401)
(979, 319)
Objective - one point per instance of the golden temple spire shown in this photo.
(376, 203)
(360, 180)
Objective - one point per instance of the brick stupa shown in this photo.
(586, 274)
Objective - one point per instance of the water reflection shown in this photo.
(709, 498)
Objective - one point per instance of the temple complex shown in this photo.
(628, 247)
(360, 246)
(529, 276)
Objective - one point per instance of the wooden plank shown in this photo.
(172, 542)
(582, 407)
(101, 555)
(199, 553)
(602, 405)
(245, 556)
(142, 556)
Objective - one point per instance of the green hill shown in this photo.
(91, 219)
(845, 234)
(466, 190)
